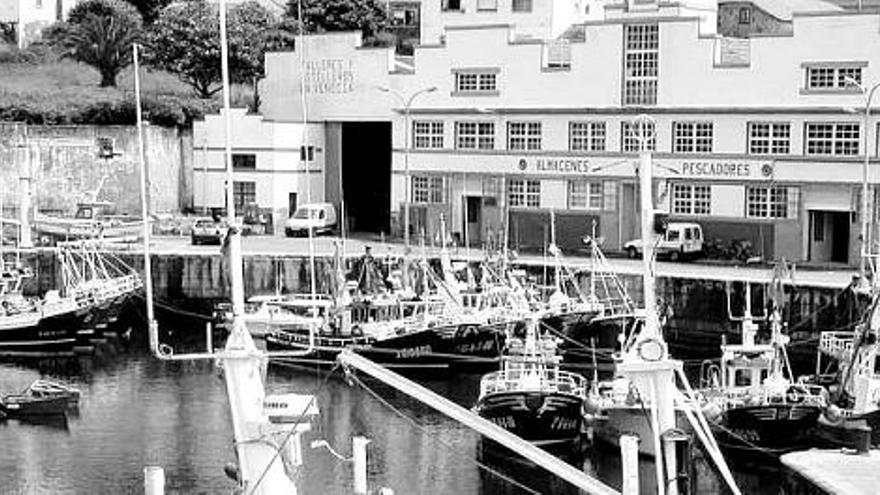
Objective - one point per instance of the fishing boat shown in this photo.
(752, 402)
(852, 418)
(530, 396)
(94, 285)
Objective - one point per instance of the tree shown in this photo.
(149, 9)
(99, 33)
(185, 40)
(367, 16)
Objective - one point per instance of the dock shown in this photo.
(837, 472)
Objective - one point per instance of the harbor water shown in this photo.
(137, 411)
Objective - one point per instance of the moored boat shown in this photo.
(530, 396)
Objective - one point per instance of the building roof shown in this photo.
(783, 9)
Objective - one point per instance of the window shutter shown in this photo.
(609, 201)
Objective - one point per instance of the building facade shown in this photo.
(760, 139)
(22, 21)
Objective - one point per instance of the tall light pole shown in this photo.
(868, 94)
(407, 104)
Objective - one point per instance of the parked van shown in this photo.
(319, 217)
(681, 239)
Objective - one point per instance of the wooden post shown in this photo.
(359, 453)
(629, 460)
(154, 480)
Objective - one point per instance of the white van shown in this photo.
(319, 217)
(681, 239)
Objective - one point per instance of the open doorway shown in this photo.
(829, 236)
(366, 175)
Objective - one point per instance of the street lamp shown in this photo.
(407, 103)
(868, 94)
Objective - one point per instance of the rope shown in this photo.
(305, 410)
(425, 431)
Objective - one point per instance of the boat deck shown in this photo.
(836, 472)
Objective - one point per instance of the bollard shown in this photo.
(359, 455)
(154, 480)
(629, 459)
(209, 337)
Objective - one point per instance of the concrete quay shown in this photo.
(836, 472)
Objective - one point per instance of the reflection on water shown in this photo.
(137, 411)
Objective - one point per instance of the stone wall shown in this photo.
(760, 22)
(65, 166)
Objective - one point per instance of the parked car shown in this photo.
(208, 231)
(317, 217)
(680, 240)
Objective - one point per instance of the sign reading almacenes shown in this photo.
(710, 169)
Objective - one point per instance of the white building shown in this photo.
(27, 18)
(755, 134)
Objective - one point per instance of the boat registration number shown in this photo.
(473, 347)
(563, 424)
(411, 352)
(504, 422)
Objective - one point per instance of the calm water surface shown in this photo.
(138, 411)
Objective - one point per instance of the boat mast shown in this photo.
(304, 152)
(145, 208)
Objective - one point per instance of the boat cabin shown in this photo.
(745, 366)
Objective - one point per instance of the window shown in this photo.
(451, 4)
(307, 153)
(427, 134)
(244, 193)
(524, 193)
(38, 4)
(475, 135)
(745, 15)
(692, 137)
(521, 6)
(586, 136)
(427, 189)
(769, 138)
(690, 199)
(631, 137)
(832, 138)
(641, 55)
(487, 4)
(240, 160)
(770, 202)
(476, 82)
(404, 16)
(523, 135)
(835, 77)
(584, 195)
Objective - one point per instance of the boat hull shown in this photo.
(540, 417)
(14, 406)
(769, 428)
(459, 345)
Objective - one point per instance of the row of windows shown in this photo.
(488, 5)
(641, 64)
(525, 193)
(764, 138)
(761, 201)
(687, 199)
(249, 160)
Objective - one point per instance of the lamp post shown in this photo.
(868, 94)
(407, 104)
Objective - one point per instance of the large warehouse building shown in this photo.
(520, 109)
